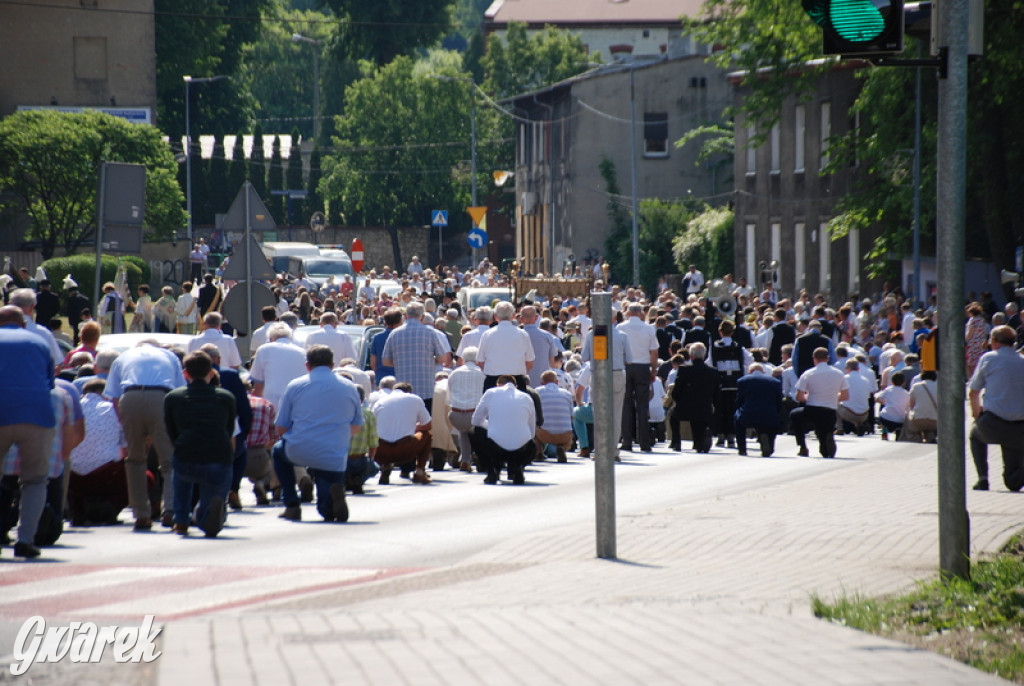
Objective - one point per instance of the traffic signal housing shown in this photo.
(855, 28)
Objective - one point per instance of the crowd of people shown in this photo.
(175, 434)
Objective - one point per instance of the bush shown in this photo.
(82, 269)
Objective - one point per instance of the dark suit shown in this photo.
(758, 407)
(75, 304)
(803, 350)
(782, 334)
(743, 336)
(230, 381)
(694, 394)
(697, 336)
(47, 307)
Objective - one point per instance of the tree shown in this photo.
(381, 31)
(257, 164)
(49, 166)
(293, 178)
(618, 243)
(519, 62)
(238, 169)
(275, 182)
(204, 38)
(314, 200)
(394, 169)
(707, 242)
(661, 222)
(218, 197)
(280, 70)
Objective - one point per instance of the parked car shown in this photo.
(471, 298)
(360, 335)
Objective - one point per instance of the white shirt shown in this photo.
(465, 386)
(339, 343)
(583, 322)
(515, 409)
(897, 402)
(472, 338)
(259, 337)
(696, 281)
(398, 414)
(822, 384)
(229, 356)
(860, 393)
(505, 349)
(186, 310)
(641, 339)
(277, 364)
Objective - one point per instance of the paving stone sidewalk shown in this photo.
(714, 591)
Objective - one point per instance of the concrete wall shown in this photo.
(78, 53)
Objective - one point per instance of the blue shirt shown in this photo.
(413, 349)
(377, 349)
(26, 367)
(1001, 374)
(317, 410)
(146, 365)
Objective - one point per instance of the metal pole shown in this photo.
(188, 160)
(633, 175)
(954, 525)
(99, 240)
(603, 397)
(248, 264)
(472, 148)
(316, 91)
(918, 281)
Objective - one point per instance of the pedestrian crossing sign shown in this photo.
(439, 218)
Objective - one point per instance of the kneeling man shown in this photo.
(319, 413)
(504, 424)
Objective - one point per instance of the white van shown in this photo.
(278, 253)
(318, 269)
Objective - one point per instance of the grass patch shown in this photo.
(979, 621)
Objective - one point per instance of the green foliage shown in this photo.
(49, 166)
(660, 224)
(257, 164)
(394, 169)
(519, 63)
(82, 269)
(618, 243)
(381, 31)
(280, 70)
(293, 178)
(707, 242)
(314, 201)
(977, 621)
(771, 41)
(202, 38)
(716, 140)
(275, 182)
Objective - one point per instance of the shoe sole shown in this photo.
(338, 503)
(214, 520)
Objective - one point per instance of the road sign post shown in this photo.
(439, 218)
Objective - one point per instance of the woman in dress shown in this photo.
(142, 322)
(975, 337)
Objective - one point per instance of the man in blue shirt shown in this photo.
(26, 417)
(319, 413)
(999, 419)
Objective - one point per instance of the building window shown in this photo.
(799, 115)
(776, 142)
(800, 254)
(751, 152)
(656, 134)
(824, 259)
(826, 132)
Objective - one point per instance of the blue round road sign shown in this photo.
(477, 238)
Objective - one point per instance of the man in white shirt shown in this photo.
(403, 425)
(821, 389)
(855, 410)
(339, 343)
(641, 365)
(269, 315)
(505, 349)
(465, 388)
(212, 322)
(277, 364)
(693, 280)
(509, 439)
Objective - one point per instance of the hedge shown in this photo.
(82, 269)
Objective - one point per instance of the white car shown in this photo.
(473, 297)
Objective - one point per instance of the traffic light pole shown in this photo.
(954, 525)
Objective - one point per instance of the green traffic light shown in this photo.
(857, 21)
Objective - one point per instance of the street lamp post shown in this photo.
(188, 143)
(299, 38)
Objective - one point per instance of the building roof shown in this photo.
(590, 12)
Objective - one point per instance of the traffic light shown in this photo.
(858, 27)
